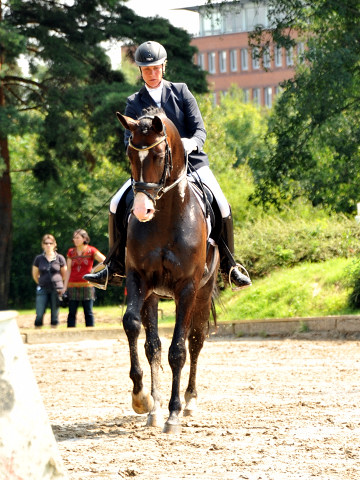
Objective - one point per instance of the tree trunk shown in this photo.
(5, 225)
(5, 205)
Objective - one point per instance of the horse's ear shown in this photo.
(127, 122)
(157, 124)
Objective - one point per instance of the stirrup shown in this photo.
(238, 265)
(98, 268)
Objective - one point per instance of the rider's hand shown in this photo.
(189, 145)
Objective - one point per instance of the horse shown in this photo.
(168, 256)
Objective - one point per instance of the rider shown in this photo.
(181, 107)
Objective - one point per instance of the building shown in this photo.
(224, 52)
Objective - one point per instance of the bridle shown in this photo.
(159, 188)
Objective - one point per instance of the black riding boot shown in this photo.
(114, 263)
(228, 264)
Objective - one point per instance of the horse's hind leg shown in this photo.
(196, 339)
(153, 354)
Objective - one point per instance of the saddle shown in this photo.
(209, 206)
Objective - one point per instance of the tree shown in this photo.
(314, 131)
(71, 92)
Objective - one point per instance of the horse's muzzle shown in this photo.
(143, 208)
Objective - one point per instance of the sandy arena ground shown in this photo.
(269, 409)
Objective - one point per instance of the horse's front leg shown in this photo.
(142, 401)
(149, 317)
(177, 356)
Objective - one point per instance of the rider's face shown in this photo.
(152, 75)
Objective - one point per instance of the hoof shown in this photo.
(154, 420)
(188, 413)
(172, 428)
(190, 408)
(143, 402)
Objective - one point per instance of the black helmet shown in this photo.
(149, 54)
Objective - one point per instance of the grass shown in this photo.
(307, 290)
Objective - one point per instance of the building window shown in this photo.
(266, 59)
(256, 96)
(268, 96)
(255, 59)
(246, 92)
(232, 19)
(278, 56)
(201, 61)
(222, 61)
(244, 59)
(233, 60)
(289, 57)
(211, 62)
(210, 24)
(255, 15)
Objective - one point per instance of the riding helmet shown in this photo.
(149, 54)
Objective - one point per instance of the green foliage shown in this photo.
(314, 132)
(298, 234)
(234, 132)
(353, 283)
(267, 242)
(67, 103)
(307, 290)
(71, 81)
(78, 199)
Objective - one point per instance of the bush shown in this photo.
(293, 237)
(353, 282)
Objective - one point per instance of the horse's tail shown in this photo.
(213, 309)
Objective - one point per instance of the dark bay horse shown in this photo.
(168, 255)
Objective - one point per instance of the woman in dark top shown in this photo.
(48, 272)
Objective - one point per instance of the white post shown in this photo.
(28, 449)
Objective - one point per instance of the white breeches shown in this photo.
(206, 176)
(209, 179)
(114, 202)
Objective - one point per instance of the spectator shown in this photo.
(80, 260)
(48, 272)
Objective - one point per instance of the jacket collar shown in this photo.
(166, 92)
(147, 99)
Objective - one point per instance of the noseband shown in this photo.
(158, 188)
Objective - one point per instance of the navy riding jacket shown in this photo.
(181, 108)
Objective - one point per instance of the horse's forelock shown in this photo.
(145, 125)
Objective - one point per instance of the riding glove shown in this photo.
(189, 145)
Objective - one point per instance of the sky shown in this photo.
(165, 8)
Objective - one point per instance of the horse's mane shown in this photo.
(152, 111)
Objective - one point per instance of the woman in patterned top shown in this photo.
(80, 260)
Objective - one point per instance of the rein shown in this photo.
(160, 188)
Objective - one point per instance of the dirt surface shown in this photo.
(27, 321)
(279, 409)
